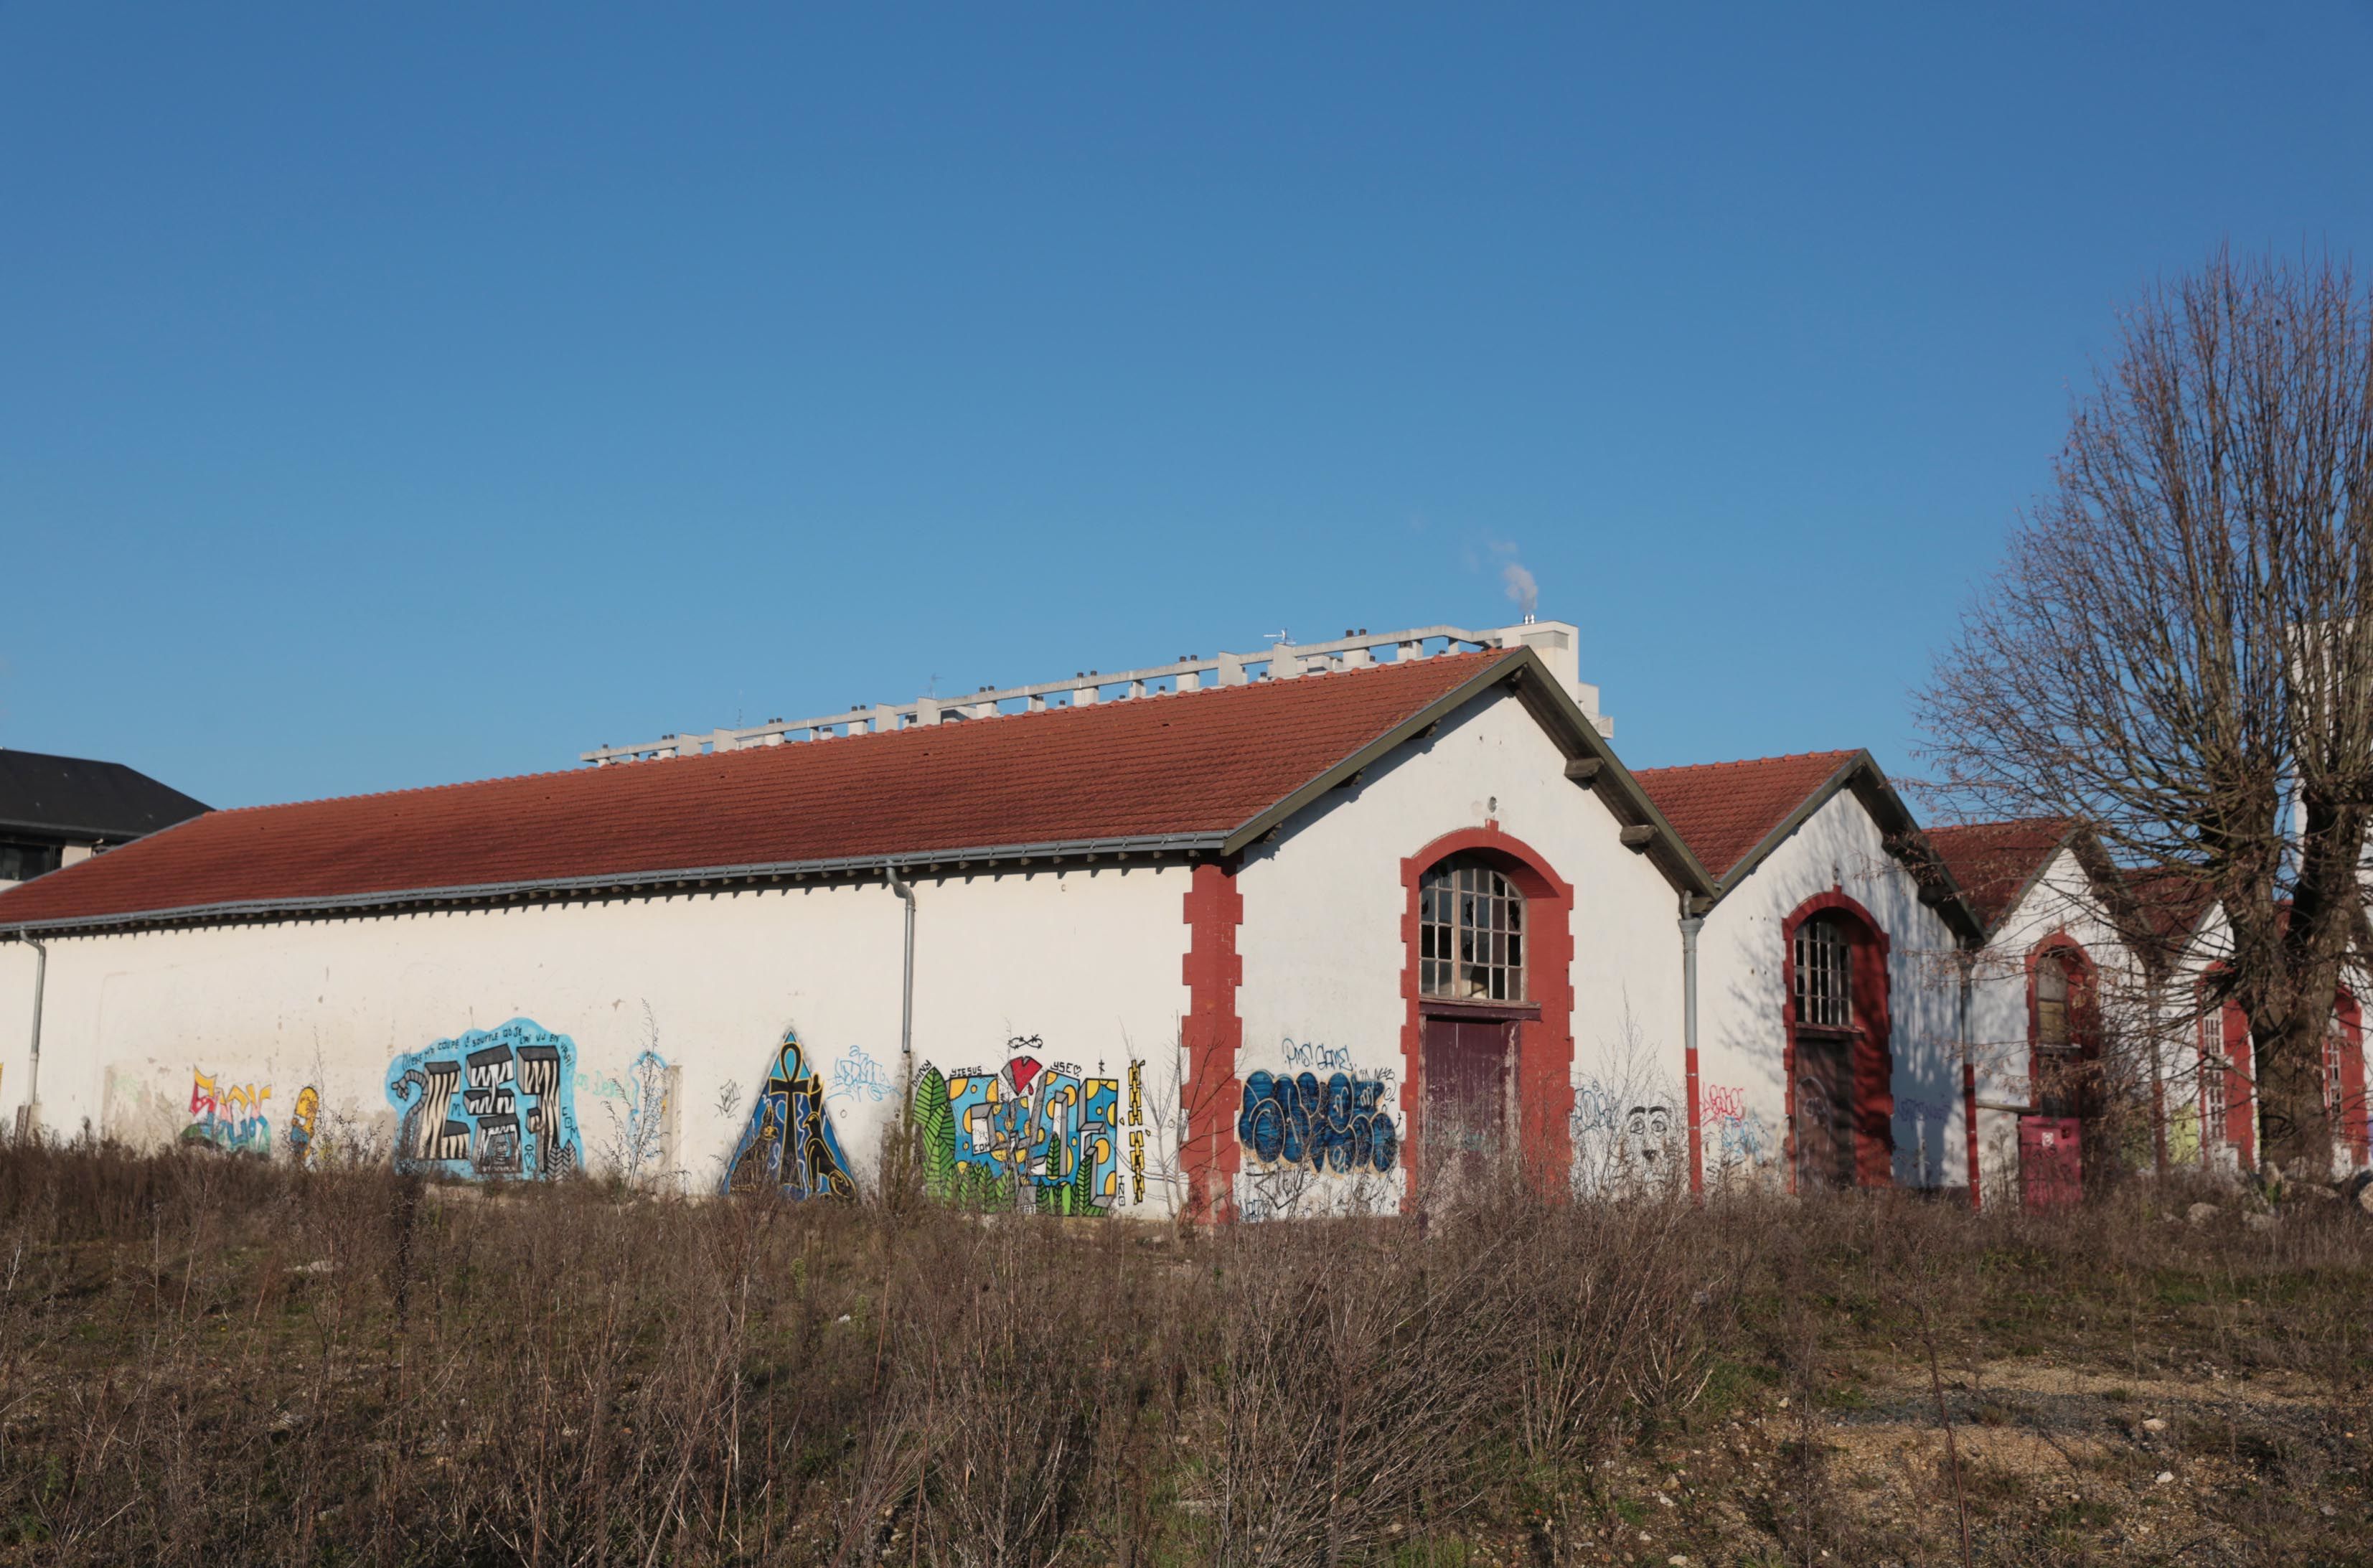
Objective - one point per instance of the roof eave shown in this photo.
(359, 903)
(1861, 772)
(1554, 708)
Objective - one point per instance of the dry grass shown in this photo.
(208, 1360)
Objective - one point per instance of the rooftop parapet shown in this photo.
(1552, 640)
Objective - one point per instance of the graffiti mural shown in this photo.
(228, 1118)
(1027, 1135)
(1331, 1127)
(858, 1076)
(1647, 1131)
(789, 1147)
(1737, 1134)
(300, 1124)
(494, 1102)
(1624, 1132)
(640, 1109)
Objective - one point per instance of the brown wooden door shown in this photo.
(1825, 1143)
(1466, 1092)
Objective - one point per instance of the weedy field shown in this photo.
(212, 1360)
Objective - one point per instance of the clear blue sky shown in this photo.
(395, 398)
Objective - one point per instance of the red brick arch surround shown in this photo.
(2084, 999)
(1544, 1044)
(1873, 1052)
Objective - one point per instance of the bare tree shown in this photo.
(2179, 650)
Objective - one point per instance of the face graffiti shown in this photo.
(1335, 1126)
(229, 1119)
(1027, 1135)
(494, 1102)
(788, 1148)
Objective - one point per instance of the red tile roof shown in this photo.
(2167, 905)
(1993, 861)
(1722, 810)
(1204, 763)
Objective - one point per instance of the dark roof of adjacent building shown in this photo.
(1206, 772)
(84, 799)
(1996, 862)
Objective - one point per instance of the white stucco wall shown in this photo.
(1324, 952)
(1741, 1041)
(2061, 902)
(1083, 964)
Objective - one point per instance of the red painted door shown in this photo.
(1466, 1067)
(1825, 1140)
(2050, 1161)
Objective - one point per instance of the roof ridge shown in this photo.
(787, 746)
(1840, 753)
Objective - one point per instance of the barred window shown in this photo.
(1824, 974)
(2335, 1042)
(2212, 1073)
(2051, 1002)
(1470, 933)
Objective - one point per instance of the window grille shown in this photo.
(1824, 974)
(2051, 1002)
(2334, 1042)
(1470, 933)
(21, 862)
(2212, 1074)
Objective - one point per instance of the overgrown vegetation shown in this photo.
(211, 1360)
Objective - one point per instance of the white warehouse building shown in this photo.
(1259, 935)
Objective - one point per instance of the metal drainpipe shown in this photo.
(32, 1116)
(907, 989)
(1969, 1078)
(1691, 926)
(2159, 1080)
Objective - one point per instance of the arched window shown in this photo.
(1825, 974)
(2051, 1031)
(1470, 933)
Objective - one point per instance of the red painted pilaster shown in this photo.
(1215, 1034)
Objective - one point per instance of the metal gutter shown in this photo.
(929, 860)
(74, 832)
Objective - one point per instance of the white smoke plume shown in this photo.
(1521, 589)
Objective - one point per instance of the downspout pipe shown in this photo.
(1690, 925)
(31, 1120)
(906, 987)
(1969, 1076)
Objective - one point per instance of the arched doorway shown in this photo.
(1840, 1064)
(2063, 1135)
(1487, 1047)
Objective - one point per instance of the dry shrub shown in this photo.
(206, 1359)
